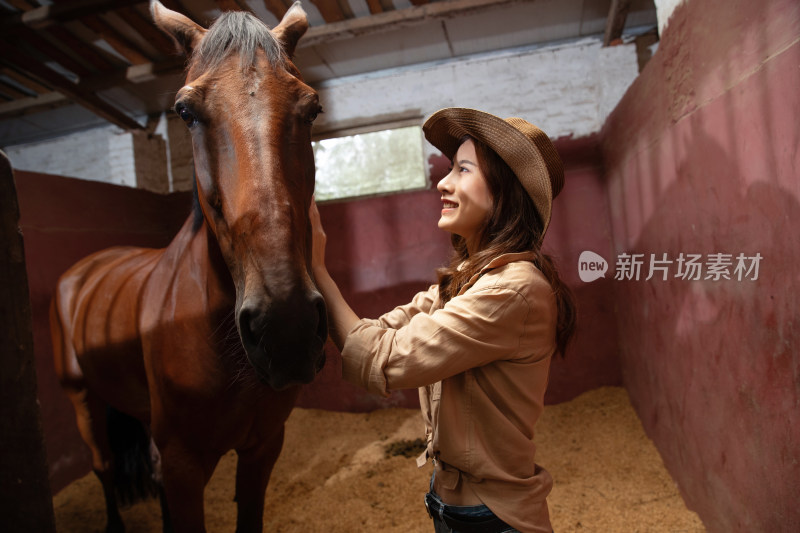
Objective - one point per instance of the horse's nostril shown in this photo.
(251, 323)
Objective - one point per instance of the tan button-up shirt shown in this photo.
(481, 363)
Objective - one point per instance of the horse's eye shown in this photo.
(314, 114)
(186, 115)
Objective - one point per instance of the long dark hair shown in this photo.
(513, 226)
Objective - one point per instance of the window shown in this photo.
(370, 163)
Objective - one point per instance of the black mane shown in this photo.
(237, 32)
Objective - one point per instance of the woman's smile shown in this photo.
(448, 206)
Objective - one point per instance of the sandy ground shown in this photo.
(335, 475)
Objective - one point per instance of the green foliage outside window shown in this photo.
(369, 163)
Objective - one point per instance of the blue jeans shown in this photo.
(463, 518)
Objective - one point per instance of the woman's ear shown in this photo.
(293, 25)
(185, 33)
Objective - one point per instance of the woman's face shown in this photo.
(466, 200)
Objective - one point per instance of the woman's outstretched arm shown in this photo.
(341, 317)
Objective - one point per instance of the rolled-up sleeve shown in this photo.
(400, 316)
(471, 330)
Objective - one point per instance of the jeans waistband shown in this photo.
(464, 519)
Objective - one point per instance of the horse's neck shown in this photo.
(194, 250)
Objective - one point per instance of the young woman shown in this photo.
(478, 344)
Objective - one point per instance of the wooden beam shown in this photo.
(617, 14)
(145, 27)
(374, 6)
(89, 100)
(396, 19)
(26, 106)
(344, 7)
(119, 43)
(22, 5)
(25, 81)
(276, 7)
(329, 10)
(56, 53)
(60, 12)
(133, 74)
(12, 91)
(84, 50)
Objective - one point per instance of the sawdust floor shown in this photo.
(334, 475)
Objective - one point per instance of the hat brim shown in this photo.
(445, 129)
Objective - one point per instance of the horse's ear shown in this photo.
(293, 25)
(185, 33)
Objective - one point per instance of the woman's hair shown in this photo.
(513, 226)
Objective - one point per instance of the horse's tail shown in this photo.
(135, 478)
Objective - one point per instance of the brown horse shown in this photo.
(153, 333)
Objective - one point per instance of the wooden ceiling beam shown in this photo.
(89, 100)
(392, 20)
(347, 11)
(276, 7)
(374, 6)
(31, 104)
(60, 12)
(12, 91)
(119, 43)
(133, 74)
(145, 27)
(56, 53)
(617, 14)
(25, 81)
(330, 10)
(86, 51)
(22, 5)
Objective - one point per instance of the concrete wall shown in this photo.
(702, 157)
(567, 89)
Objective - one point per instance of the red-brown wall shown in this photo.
(380, 250)
(63, 220)
(702, 157)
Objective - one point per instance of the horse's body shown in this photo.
(205, 341)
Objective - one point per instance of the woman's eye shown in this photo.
(186, 115)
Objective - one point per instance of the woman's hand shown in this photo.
(319, 239)
(342, 318)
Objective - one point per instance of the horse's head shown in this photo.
(250, 115)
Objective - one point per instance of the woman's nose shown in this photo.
(445, 184)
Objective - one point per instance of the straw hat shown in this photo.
(524, 147)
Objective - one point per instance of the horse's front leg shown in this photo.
(185, 474)
(252, 475)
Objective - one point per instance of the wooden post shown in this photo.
(26, 504)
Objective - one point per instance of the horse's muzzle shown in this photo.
(284, 342)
